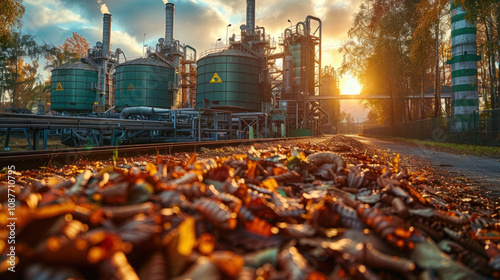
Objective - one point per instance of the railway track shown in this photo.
(25, 160)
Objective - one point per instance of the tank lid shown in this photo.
(145, 61)
(75, 66)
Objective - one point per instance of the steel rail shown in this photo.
(26, 160)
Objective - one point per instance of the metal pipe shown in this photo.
(308, 24)
(288, 33)
(185, 52)
(169, 23)
(297, 30)
(145, 111)
(110, 109)
(308, 34)
(251, 16)
(263, 35)
(106, 35)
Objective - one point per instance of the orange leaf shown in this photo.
(229, 262)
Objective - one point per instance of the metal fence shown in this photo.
(483, 128)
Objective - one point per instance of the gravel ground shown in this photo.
(324, 208)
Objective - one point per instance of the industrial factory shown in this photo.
(254, 87)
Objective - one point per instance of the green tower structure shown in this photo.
(464, 100)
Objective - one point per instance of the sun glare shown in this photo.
(349, 85)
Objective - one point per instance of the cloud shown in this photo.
(198, 23)
(274, 16)
(338, 18)
(199, 26)
(228, 7)
(126, 43)
(45, 16)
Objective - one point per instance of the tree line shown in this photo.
(21, 84)
(400, 48)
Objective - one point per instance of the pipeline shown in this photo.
(144, 111)
(191, 48)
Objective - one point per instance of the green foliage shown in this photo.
(22, 80)
(11, 12)
(20, 76)
(40, 91)
(393, 49)
(70, 51)
(476, 150)
(378, 53)
(487, 15)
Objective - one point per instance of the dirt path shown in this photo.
(484, 171)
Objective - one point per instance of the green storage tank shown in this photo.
(72, 88)
(230, 78)
(144, 82)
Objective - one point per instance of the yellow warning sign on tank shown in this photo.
(131, 86)
(215, 79)
(59, 87)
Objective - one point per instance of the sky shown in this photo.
(198, 23)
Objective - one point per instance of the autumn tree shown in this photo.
(70, 51)
(428, 48)
(23, 82)
(11, 12)
(377, 52)
(20, 48)
(40, 91)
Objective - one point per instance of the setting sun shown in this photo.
(350, 85)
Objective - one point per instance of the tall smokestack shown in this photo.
(106, 35)
(251, 16)
(169, 23)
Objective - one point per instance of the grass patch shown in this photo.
(18, 143)
(467, 149)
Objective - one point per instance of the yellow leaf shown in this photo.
(396, 163)
(151, 169)
(109, 169)
(270, 183)
(187, 236)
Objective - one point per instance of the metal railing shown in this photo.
(211, 51)
(482, 129)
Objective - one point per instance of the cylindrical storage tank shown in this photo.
(464, 98)
(144, 82)
(230, 78)
(73, 88)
